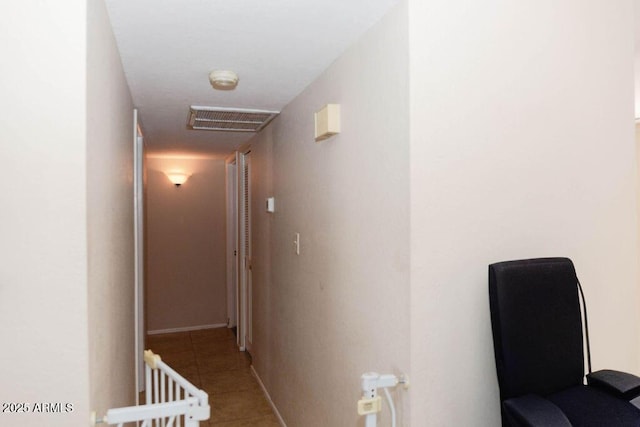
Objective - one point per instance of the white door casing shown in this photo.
(232, 243)
(138, 227)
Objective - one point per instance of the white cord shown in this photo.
(393, 408)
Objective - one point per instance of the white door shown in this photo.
(244, 240)
(247, 252)
(138, 229)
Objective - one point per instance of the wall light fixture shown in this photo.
(177, 178)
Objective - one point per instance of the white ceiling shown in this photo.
(277, 47)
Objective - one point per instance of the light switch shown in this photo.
(296, 243)
(271, 204)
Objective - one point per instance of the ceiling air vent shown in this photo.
(229, 119)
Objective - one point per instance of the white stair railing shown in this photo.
(171, 401)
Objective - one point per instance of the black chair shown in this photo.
(539, 351)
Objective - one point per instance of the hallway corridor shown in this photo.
(210, 359)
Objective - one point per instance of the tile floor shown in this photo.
(210, 359)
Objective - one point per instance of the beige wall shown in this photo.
(637, 134)
(110, 219)
(636, 4)
(339, 309)
(58, 156)
(43, 272)
(521, 146)
(186, 260)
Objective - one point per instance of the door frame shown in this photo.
(232, 240)
(138, 227)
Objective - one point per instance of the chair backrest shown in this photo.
(537, 326)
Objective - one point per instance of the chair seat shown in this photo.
(590, 407)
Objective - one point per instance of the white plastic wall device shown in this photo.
(271, 204)
(371, 404)
(327, 122)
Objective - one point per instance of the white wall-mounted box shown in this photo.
(327, 122)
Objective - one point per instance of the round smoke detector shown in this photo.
(223, 79)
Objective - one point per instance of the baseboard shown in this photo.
(186, 329)
(266, 393)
